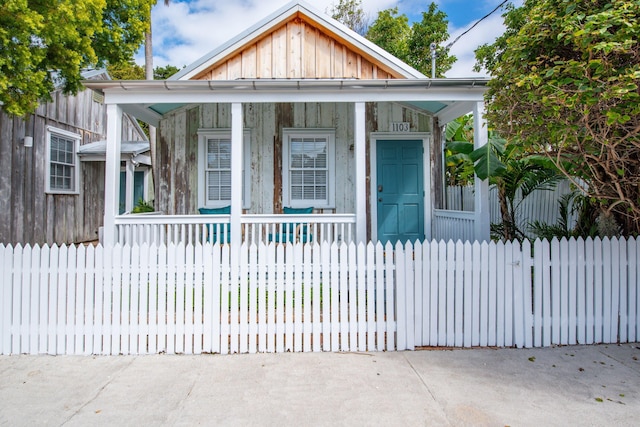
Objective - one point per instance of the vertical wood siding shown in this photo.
(297, 49)
(30, 215)
(178, 148)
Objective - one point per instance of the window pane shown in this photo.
(296, 160)
(53, 155)
(214, 179)
(296, 192)
(218, 174)
(218, 185)
(225, 156)
(296, 177)
(225, 192)
(309, 178)
(297, 153)
(308, 193)
(308, 168)
(225, 178)
(62, 163)
(214, 192)
(212, 160)
(218, 153)
(321, 159)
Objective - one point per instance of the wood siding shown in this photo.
(29, 214)
(178, 148)
(297, 49)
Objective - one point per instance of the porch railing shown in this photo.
(256, 228)
(453, 225)
(299, 228)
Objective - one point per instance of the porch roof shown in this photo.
(126, 147)
(96, 151)
(148, 100)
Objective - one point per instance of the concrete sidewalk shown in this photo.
(583, 385)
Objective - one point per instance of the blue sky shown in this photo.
(188, 29)
(459, 12)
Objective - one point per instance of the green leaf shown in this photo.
(464, 147)
(487, 163)
(452, 130)
(52, 42)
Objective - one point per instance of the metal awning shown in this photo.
(95, 151)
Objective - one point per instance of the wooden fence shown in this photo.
(294, 297)
(541, 205)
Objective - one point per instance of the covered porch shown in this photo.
(364, 120)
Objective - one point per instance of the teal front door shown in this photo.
(138, 189)
(400, 190)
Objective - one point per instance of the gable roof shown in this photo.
(326, 30)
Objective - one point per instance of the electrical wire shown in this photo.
(476, 23)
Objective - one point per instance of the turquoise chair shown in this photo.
(214, 229)
(292, 232)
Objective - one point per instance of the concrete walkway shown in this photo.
(583, 385)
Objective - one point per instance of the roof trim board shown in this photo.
(148, 100)
(258, 85)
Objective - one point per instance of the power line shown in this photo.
(476, 23)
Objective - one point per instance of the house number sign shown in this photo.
(400, 127)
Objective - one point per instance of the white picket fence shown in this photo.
(294, 297)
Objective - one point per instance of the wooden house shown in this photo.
(298, 122)
(52, 168)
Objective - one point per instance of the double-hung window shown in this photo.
(62, 167)
(214, 168)
(308, 168)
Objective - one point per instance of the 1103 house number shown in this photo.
(400, 127)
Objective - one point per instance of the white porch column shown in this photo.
(236, 174)
(359, 136)
(481, 137)
(112, 173)
(129, 203)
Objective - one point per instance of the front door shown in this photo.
(400, 190)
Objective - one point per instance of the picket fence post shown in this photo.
(401, 283)
(527, 264)
(632, 282)
(468, 289)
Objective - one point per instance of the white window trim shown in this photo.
(203, 135)
(76, 177)
(330, 134)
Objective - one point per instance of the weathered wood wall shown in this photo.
(29, 215)
(178, 148)
(437, 167)
(297, 49)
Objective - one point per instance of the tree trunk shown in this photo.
(148, 71)
(507, 221)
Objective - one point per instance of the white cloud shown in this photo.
(485, 32)
(184, 32)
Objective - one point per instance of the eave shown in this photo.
(148, 100)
